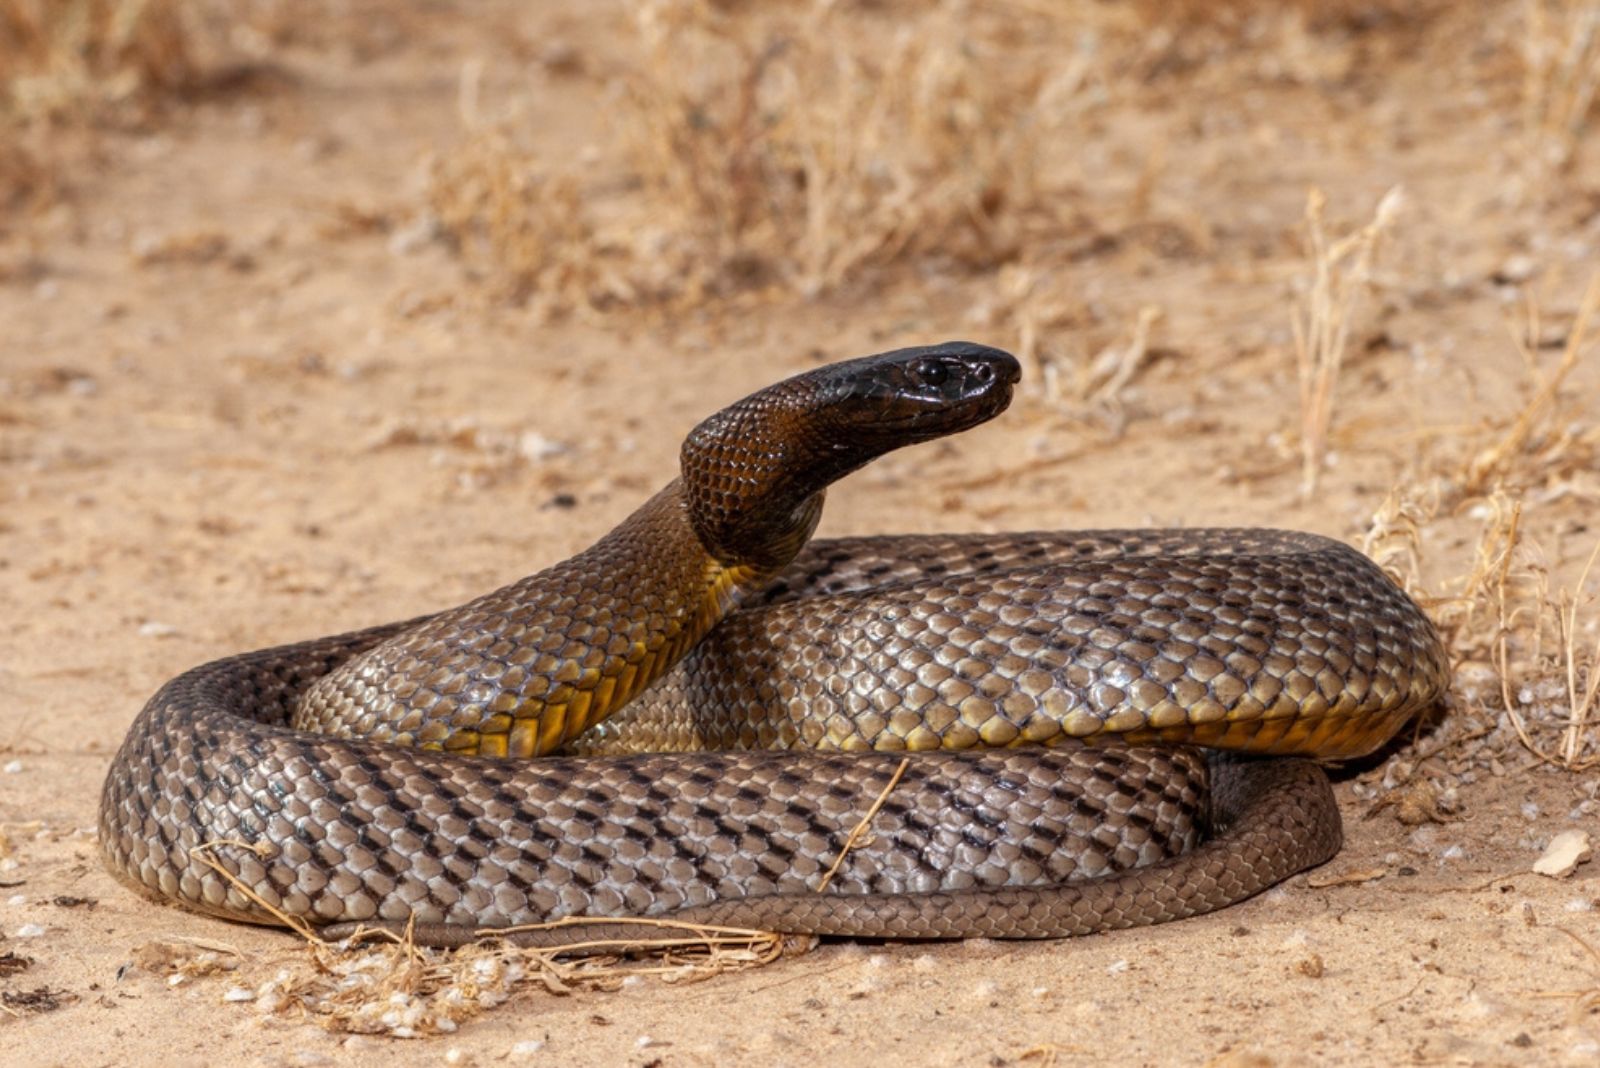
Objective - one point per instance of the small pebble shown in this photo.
(1517, 268)
(535, 446)
(30, 930)
(12, 767)
(1117, 967)
(1564, 853)
(238, 993)
(154, 629)
(527, 1048)
(413, 236)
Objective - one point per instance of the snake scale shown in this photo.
(374, 778)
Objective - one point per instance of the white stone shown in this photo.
(1564, 853)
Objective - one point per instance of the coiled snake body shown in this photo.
(365, 778)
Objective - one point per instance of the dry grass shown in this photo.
(1050, 325)
(794, 150)
(1555, 691)
(789, 150)
(1304, 41)
(798, 150)
(523, 226)
(1500, 618)
(1546, 439)
(400, 989)
(80, 64)
(77, 60)
(1341, 271)
(1233, 15)
(403, 991)
(1560, 53)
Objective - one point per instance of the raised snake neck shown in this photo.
(523, 670)
(1241, 637)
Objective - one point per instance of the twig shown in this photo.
(860, 829)
(204, 853)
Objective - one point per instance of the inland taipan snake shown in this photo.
(373, 777)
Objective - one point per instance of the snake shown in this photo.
(1042, 734)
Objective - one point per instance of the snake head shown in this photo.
(910, 395)
(753, 474)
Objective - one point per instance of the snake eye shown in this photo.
(932, 372)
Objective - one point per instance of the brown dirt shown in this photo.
(244, 399)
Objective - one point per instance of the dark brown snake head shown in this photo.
(753, 473)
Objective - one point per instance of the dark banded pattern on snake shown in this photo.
(995, 843)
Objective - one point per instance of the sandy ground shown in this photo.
(230, 418)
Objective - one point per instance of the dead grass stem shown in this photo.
(1560, 52)
(1535, 441)
(1576, 666)
(1341, 270)
(860, 830)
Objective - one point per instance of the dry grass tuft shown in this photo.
(802, 151)
(404, 991)
(80, 60)
(83, 64)
(1341, 271)
(27, 185)
(1556, 691)
(1560, 52)
(1302, 41)
(524, 227)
